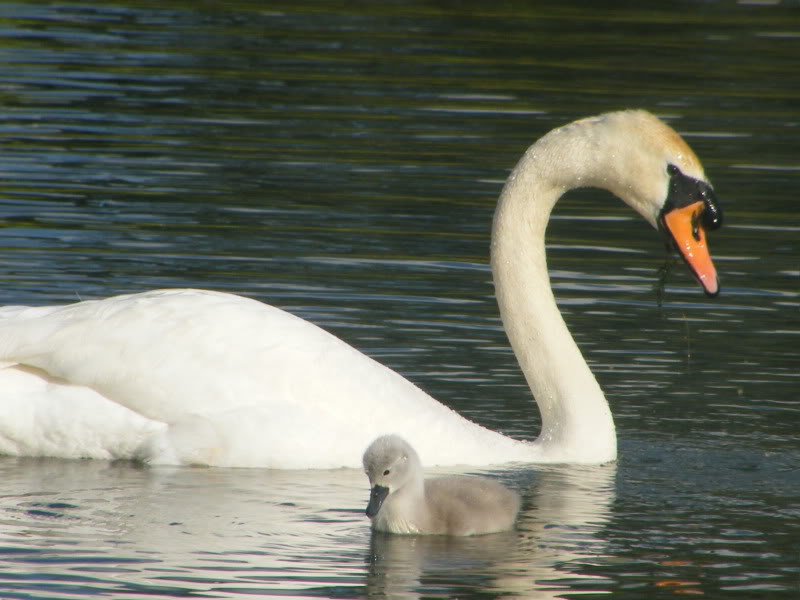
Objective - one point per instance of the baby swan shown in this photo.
(402, 501)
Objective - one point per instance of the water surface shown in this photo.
(342, 162)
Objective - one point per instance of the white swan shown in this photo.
(200, 377)
(401, 500)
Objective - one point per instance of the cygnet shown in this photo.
(403, 501)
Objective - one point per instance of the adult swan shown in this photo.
(200, 377)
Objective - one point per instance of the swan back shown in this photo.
(228, 375)
(402, 501)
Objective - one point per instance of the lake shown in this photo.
(342, 161)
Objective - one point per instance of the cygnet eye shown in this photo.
(387, 471)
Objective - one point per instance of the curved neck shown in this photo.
(576, 420)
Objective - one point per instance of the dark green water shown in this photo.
(342, 161)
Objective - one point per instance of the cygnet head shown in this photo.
(390, 463)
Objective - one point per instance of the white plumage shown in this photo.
(201, 377)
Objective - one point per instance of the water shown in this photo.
(342, 162)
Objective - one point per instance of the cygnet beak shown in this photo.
(376, 498)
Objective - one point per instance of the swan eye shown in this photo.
(387, 471)
(712, 213)
(686, 190)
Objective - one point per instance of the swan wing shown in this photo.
(40, 416)
(238, 382)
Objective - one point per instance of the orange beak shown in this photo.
(685, 226)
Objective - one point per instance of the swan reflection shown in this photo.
(564, 512)
(285, 533)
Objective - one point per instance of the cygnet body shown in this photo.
(403, 501)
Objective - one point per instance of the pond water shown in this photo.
(342, 161)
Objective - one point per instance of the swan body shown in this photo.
(202, 377)
(403, 501)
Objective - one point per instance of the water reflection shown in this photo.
(266, 532)
(562, 521)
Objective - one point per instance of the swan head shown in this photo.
(673, 193)
(646, 163)
(390, 464)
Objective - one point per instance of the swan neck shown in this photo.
(576, 420)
